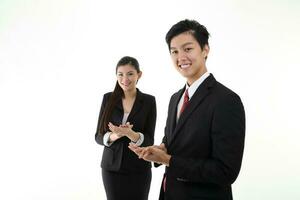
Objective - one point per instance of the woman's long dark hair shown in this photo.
(117, 94)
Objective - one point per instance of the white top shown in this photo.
(125, 117)
(191, 90)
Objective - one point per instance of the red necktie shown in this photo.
(185, 101)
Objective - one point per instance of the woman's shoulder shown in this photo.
(106, 96)
(147, 96)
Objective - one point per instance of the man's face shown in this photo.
(188, 57)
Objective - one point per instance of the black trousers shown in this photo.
(131, 186)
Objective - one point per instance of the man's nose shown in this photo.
(181, 56)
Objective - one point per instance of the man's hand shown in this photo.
(153, 153)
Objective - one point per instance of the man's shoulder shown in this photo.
(221, 88)
(222, 92)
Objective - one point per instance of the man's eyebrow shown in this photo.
(125, 72)
(188, 43)
(185, 44)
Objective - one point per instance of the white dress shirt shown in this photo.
(191, 90)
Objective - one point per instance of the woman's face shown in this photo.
(127, 77)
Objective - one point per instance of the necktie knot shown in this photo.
(185, 101)
(186, 95)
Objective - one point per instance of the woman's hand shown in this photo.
(124, 130)
(113, 137)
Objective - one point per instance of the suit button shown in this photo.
(182, 179)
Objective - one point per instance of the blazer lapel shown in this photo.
(119, 112)
(198, 97)
(137, 105)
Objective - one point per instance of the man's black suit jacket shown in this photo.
(206, 143)
(118, 157)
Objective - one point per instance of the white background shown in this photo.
(57, 59)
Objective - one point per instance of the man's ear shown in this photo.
(205, 51)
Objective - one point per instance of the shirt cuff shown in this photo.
(106, 139)
(140, 141)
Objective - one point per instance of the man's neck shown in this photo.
(196, 77)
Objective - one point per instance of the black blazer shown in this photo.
(118, 157)
(206, 143)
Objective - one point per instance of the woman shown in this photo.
(127, 116)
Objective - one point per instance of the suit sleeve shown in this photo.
(227, 137)
(150, 125)
(98, 135)
(168, 122)
(164, 139)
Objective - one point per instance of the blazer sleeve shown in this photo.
(98, 135)
(227, 135)
(164, 139)
(150, 124)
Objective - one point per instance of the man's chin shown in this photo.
(184, 74)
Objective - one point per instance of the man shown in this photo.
(203, 144)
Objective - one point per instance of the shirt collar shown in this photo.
(192, 88)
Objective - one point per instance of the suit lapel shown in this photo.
(173, 111)
(200, 94)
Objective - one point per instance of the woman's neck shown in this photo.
(130, 94)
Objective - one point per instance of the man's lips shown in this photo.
(184, 66)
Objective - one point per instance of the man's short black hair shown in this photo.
(197, 30)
